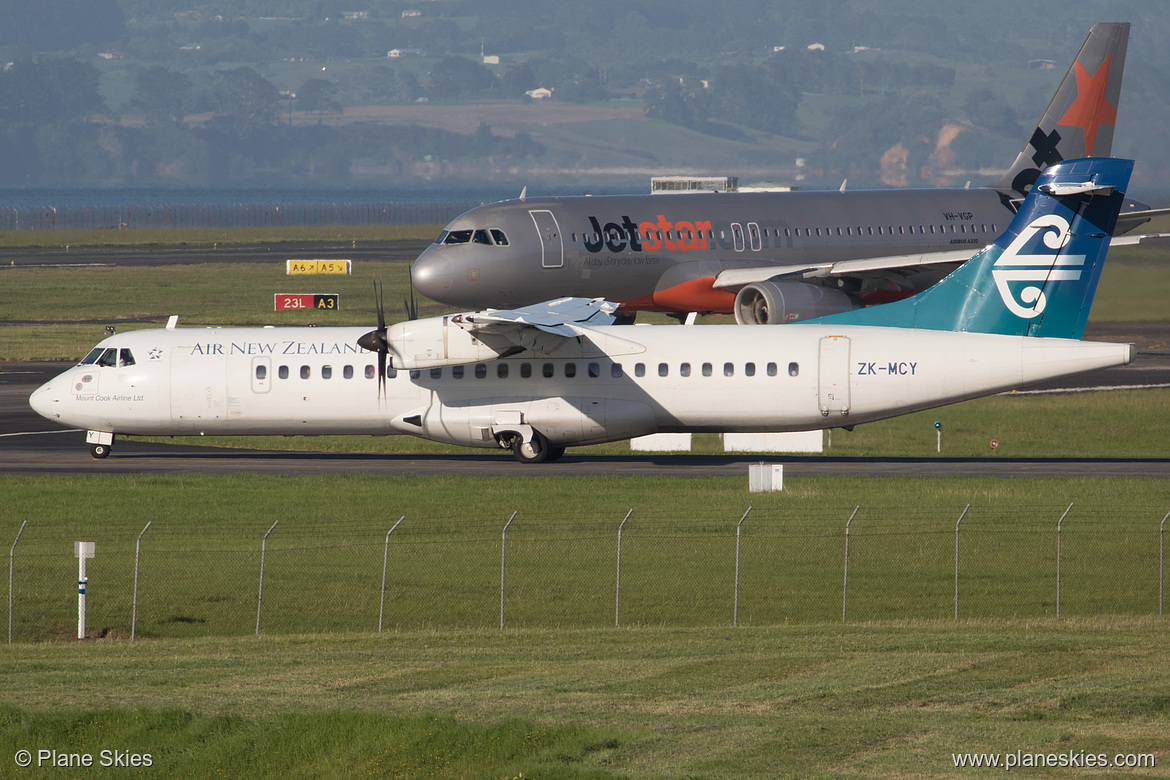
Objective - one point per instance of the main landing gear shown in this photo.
(535, 450)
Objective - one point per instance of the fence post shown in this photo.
(1058, 523)
(845, 591)
(617, 607)
(260, 595)
(957, 559)
(134, 611)
(11, 563)
(1161, 558)
(503, 553)
(385, 559)
(735, 606)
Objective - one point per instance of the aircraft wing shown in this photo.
(494, 333)
(556, 317)
(735, 278)
(541, 327)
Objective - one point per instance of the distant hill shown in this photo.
(901, 93)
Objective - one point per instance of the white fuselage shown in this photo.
(611, 383)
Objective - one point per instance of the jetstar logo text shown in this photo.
(681, 236)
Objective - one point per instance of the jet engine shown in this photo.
(774, 303)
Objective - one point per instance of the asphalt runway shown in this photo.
(32, 445)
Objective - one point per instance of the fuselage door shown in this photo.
(833, 376)
(552, 248)
(261, 374)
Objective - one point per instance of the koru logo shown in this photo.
(1014, 267)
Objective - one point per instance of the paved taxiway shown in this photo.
(32, 445)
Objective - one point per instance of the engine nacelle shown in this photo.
(775, 303)
(439, 341)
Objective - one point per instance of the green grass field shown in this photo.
(879, 700)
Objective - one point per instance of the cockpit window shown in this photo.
(92, 356)
(108, 358)
(485, 236)
(125, 358)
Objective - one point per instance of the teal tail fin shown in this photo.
(1038, 278)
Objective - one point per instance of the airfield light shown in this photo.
(938, 429)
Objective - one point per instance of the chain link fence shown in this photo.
(302, 575)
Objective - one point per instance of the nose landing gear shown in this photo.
(100, 443)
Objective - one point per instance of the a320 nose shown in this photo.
(432, 275)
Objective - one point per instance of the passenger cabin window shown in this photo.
(706, 369)
(456, 372)
(684, 369)
(305, 372)
(750, 369)
(347, 372)
(261, 371)
(728, 369)
(663, 369)
(436, 373)
(615, 371)
(326, 372)
(793, 369)
(502, 370)
(570, 370)
(370, 372)
(772, 370)
(480, 371)
(594, 370)
(639, 369)
(525, 370)
(547, 370)
(282, 372)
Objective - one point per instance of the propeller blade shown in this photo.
(375, 340)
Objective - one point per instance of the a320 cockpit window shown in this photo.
(488, 236)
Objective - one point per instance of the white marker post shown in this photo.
(82, 550)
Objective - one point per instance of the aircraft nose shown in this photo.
(431, 275)
(44, 399)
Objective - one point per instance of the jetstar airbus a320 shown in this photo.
(766, 257)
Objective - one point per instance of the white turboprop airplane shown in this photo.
(540, 379)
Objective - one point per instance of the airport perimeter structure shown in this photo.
(750, 567)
